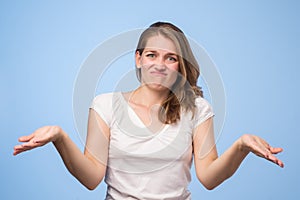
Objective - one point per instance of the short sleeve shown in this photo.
(102, 104)
(203, 112)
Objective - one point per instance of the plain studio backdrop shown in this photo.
(254, 44)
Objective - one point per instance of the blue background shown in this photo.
(255, 45)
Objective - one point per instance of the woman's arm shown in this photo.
(212, 170)
(89, 168)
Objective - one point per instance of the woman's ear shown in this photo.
(137, 59)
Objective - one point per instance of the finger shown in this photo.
(280, 163)
(18, 151)
(263, 149)
(18, 147)
(26, 138)
(27, 146)
(275, 160)
(275, 150)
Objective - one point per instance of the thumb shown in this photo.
(276, 150)
(26, 138)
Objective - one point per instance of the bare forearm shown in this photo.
(80, 166)
(224, 166)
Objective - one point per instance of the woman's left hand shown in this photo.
(261, 148)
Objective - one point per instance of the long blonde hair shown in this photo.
(185, 90)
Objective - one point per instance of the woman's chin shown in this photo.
(158, 87)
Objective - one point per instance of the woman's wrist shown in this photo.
(242, 145)
(59, 135)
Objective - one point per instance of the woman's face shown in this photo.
(158, 63)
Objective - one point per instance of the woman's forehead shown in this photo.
(160, 43)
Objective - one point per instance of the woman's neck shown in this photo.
(147, 96)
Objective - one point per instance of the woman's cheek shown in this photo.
(173, 77)
(174, 67)
(147, 64)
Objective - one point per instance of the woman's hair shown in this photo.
(185, 90)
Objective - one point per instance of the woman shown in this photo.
(143, 141)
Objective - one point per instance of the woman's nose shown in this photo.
(160, 64)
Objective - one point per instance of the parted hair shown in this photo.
(184, 91)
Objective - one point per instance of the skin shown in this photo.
(159, 66)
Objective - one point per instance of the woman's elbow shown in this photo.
(209, 187)
(92, 186)
(208, 183)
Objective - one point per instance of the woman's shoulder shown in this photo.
(204, 111)
(106, 96)
(201, 102)
(105, 100)
(103, 104)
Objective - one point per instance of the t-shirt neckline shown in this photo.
(160, 131)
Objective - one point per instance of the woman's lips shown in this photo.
(156, 73)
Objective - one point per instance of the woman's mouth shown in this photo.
(157, 73)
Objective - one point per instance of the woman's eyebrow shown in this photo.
(171, 54)
(150, 50)
(155, 51)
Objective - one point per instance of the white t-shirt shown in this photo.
(143, 164)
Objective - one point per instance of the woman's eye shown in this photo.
(172, 59)
(150, 55)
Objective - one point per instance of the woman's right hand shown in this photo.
(38, 138)
(261, 148)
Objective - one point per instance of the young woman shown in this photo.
(143, 141)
